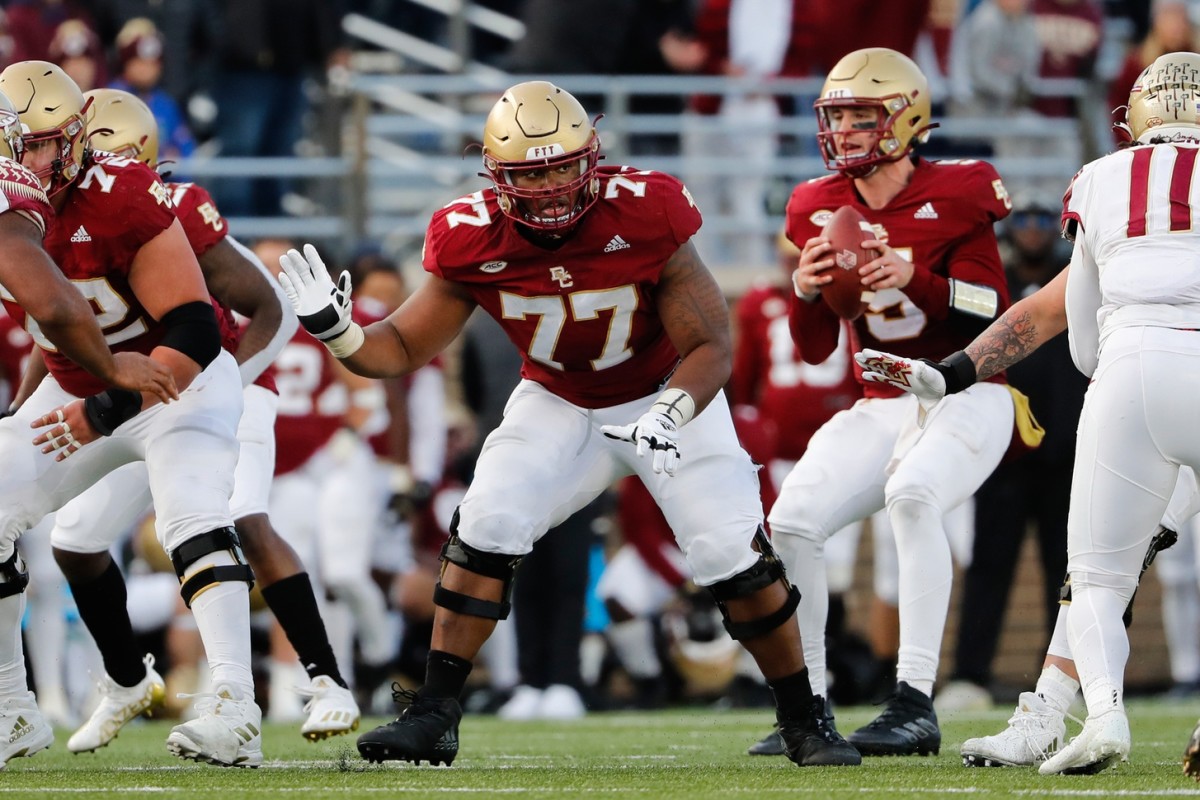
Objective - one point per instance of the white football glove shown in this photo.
(322, 306)
(653, 433)
(914, 376)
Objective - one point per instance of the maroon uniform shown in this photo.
(116, 206)
(312, 401)
(15, 346)
(599, 284)
(942, 222)
(793, 398)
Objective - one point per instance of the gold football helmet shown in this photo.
(51, 109)
(1164, 96)
(887, 81)
(120, 123)
(537, 127)
(12, 144)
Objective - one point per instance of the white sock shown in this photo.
(1100, 644)
(1057, 688)
(13, 680)
(1060, 641)
(222, 613)
(926, 574)
(366, 602)
(633, 642)
(804, 560)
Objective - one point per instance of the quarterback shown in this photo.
(937, 279)
(592, 274)
(1130, 302)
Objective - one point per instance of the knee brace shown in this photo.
(14, 577)
(767, 570)
(501, 566)
(196, 548)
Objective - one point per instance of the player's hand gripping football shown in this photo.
(912, 375)
(653, 433)
(322, 306)
(64, 430)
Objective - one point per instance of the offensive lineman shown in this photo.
(592, 273)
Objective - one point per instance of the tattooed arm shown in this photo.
(1020, 330)
(696, 318)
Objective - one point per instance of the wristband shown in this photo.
(974, 299)
(346, 344)
(109, 409)
(676, 404)
(957, 369)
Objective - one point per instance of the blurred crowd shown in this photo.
(620, 624)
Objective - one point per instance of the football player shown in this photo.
(116, 237)
(1130, 301)
(86, 529)
(51, 305)
(625, 337)
(937, 278)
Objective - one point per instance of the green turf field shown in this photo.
(678, 754)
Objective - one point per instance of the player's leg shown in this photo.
(963, 440)
(714, 508)
(545, 461)
(282, 579)
(46, 627)
(84, 531)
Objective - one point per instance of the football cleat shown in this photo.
(1103, 741)
(772, 743)
(1191, 756)
(227, 732)
(119, 705)
(23, 729)
(426, 730)
(1035, 732)
(815, 741)
(523, 705)
(331, 709)
(908, 726)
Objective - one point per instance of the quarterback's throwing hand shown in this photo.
(653, 433)
(912, 375)
(322, 306)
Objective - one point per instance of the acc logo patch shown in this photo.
(493, 266)
(819, 218)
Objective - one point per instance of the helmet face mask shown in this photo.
(1165, 99)
(51, 110)
(893, 87)
(541, 152)
(120, 123)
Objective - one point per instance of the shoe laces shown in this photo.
(206, 702)
(1033, 724)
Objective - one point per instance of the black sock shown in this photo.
(793, 695)
(445, 674)
(293, 603)
(101, 603)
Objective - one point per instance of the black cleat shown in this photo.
(772, 743)
(427, 730)
(815, 741)
(908, 726)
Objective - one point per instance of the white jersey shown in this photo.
(1137, 244)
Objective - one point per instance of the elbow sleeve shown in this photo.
(192, 330)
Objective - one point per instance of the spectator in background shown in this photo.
(140, 66)
(33, 23)
(1170, 31)
(77, 49)
(995, 58)
(1029, 494)
(268, 48)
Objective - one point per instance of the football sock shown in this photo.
(1060, 642)
(13, 680)
(793, 695)
(1099, 642)
(101, 602)
(222, 612)
(926, 573)
(1180, 610)
(293, 603)
(1057, 688)
(445, 674)
(803, 556)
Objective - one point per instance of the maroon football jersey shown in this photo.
(583, 315)
(15, 346)
(942, 222)
(312, 401)
(114, 207)
(792, 397)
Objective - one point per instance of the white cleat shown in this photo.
(227, 732)
(561, 702)
(1103, 741)
(23, 729)
(331, 709)
(523, 705)
(1035, 732)
(119, 705)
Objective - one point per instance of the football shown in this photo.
(846, 230)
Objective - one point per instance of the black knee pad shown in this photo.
(196, 548)
(766, 571)
(14, 577)
(501, 566)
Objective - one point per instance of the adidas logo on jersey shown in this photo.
(616, 243)
(926, 212)
(81, 235)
